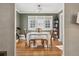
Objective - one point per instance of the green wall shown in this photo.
(17, 19)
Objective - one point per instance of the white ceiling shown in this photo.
(45, 7)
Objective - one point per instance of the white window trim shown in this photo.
(37, 25)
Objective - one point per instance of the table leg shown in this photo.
(34, 43)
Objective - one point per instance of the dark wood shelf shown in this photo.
(56, 28)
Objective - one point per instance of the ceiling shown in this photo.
(33, 7)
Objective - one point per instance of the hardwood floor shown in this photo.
(21, 50)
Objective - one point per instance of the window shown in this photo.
(32, 23)
(47, 24)
(43, 22)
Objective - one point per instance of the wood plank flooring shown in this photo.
(21, 50)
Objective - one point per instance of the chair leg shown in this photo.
(29, 43)
(42, 41)
(25, 44)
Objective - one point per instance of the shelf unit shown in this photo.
(56, 28)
